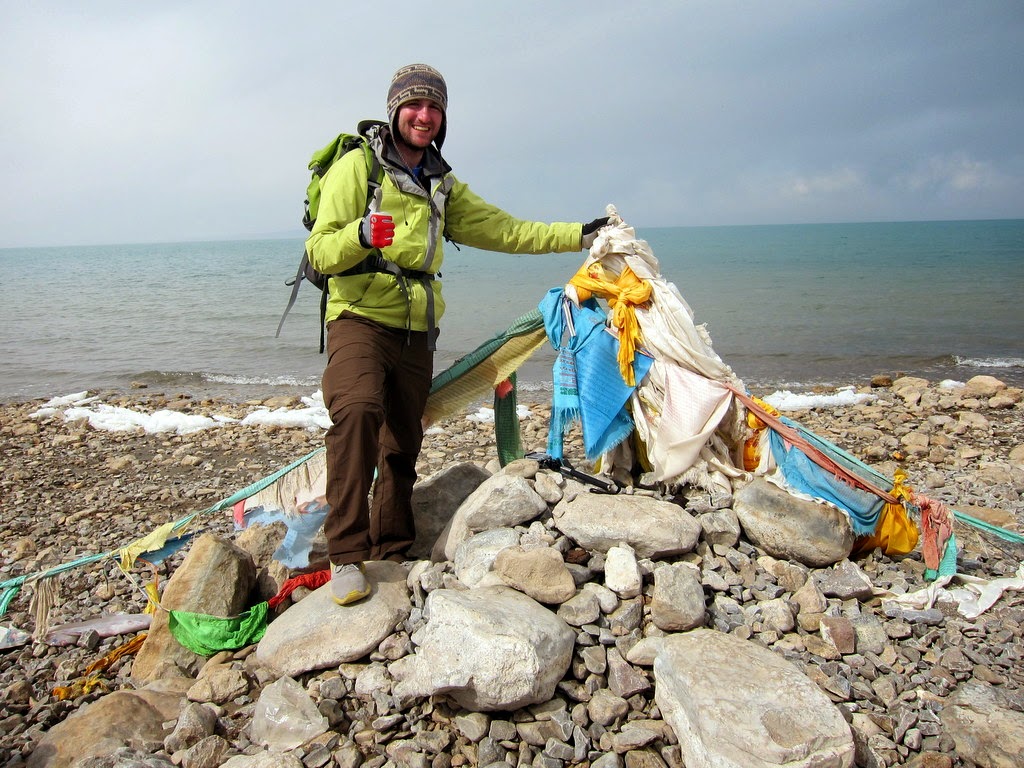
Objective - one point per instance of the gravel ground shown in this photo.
(69, 491)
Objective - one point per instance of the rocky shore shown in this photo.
(924, 687)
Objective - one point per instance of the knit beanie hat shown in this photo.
(418, 81)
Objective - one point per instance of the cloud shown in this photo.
(840, 180)
(134, 122)
(956, 173)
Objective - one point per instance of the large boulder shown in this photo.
(735, 704)
(653, 528)
(436, 499)
(501, 501)
(216, 578)
(791, 528)
(491, 648)
(317, 633)
(133, 719)
(986, 730)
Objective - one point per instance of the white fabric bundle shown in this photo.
(689, 421)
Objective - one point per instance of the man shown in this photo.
(382, 315)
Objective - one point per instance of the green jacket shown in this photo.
(420, 225)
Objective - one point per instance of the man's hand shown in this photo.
(589, 234)
(377, 230)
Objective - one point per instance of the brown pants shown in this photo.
(375, 388)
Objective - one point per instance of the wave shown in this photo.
(274, 381)
(206, 377)
(989, 362)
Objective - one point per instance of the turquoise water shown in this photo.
(787, 306)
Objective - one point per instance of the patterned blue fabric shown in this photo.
(586, 380)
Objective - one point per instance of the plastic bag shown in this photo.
(285, 716)
(12, 637)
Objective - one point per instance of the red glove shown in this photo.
(377, 230)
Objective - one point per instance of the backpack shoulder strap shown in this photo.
(321, 160)
(374, 178)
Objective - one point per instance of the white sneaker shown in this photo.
(348, 583)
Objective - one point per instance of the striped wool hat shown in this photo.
(418, 81)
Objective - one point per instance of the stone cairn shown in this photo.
(547, 625)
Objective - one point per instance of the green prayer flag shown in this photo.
(207, 635)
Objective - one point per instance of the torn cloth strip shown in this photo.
(803, 475)
(936, 530)
(170, 546)
(624, 293)
(311, 581)
(154, 540)
(791, 432)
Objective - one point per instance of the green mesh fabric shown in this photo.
(506, 426)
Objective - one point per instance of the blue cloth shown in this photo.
(586, 380)
(804, 475)
(947, 565)
(301, 530)
(170, 546)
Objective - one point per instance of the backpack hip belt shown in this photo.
(377, 263)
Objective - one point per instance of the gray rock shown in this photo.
(218, 684)
(810, 597)
(475, 556)
(595, 659)
(266, 760)
(678, 600)
(653, 528)
(607, 760)
(621, 572)
(846, 581)
(583, 608)
(605, 707)
(317, 633)
(194, 724)
(777, 615)
(490, 649)
(607, 600)
(501, 501)
(623, 678)
(985, 730)
(436, 499)
(473, 725)
(733, 703)
(790, 528)
(871, 637)
(549, 486)
(720, 527)
(207, 753)
(125, 757)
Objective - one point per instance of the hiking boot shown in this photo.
(348, 583)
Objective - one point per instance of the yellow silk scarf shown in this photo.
(624, 294)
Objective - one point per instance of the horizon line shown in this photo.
(300, 235)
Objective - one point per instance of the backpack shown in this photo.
(322, 160)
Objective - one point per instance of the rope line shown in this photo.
(11, 587)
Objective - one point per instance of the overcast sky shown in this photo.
(143, 122)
